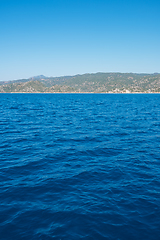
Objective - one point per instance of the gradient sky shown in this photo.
(68, 37)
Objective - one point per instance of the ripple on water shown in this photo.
(79, 166)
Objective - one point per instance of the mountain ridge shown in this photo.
(99, 82)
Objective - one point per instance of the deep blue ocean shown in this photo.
(80, 166)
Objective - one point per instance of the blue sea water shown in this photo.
(80, 166)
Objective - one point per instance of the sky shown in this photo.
(69, 37)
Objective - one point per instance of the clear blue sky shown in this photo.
(67, 37)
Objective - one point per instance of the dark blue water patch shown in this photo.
(79, 166)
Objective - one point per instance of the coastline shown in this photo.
(80, 92)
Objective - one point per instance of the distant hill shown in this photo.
(97, 83)
(39, 77)
(26, 87)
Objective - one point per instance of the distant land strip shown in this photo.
(86, 83)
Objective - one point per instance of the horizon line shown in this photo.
(78, 74)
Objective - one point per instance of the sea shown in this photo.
(79, 166)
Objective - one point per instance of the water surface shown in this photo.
(79, 166)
